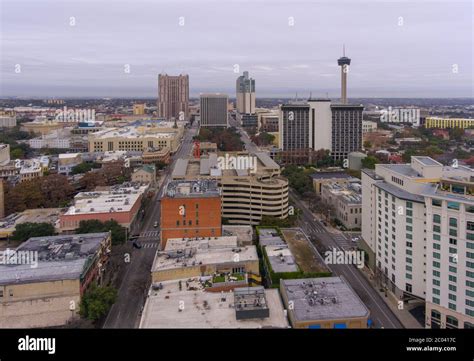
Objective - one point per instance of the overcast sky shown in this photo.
(398, 49)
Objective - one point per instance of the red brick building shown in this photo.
(190, 209)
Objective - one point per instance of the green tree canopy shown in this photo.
(118, 232)
(97, 301)
(24, 231)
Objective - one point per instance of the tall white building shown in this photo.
(418, 228)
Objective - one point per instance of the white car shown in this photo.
(155, 224)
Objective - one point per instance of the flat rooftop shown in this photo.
(281, 259)
(244, 233)
(331, 175)
(193, 188)
(117, 199)
(269, 237)
(194, 256)
(39, 215)
(58, 258)
(133, 133)
(201, 309)
(324, 298)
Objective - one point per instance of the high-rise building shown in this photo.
(214, 110)
(418, 229)
(346, 129)
(245, 94)
(173, 96)
(344, 63)
(305, 127)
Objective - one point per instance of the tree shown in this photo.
(118, 232)
(84, 168)
(369, 162)
(97, 301)
(25, 231)
(367, 144)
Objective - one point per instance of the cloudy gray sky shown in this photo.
(399, 49)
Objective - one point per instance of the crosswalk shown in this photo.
(147, 234)
(150, 245)
(342, 241)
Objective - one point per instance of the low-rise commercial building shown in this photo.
(186, 304)
(7, 121)
(120, 203)
(337, 177)
(44, 286)
(347, 202)
(222, 258)
(67, 161)
(325, 302)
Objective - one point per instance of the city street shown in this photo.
(381, 314)
(125, 313)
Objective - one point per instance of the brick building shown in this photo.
(190, 209)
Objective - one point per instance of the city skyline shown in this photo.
(391, 46)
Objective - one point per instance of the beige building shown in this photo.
(347, 202)
(145, 174)
(39, 215)
(4, 154)
(44, 287)
(248, 191)
(217, 257)
(337, 177)
(139, 109)
(325, 302)
(7, 121)
(139, 138)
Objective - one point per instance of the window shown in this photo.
(453, 205)
(451, 322)
(436, 202)
(436, 218)
(408, 287)
(453, 222)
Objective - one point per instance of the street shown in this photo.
(125, 313)
(381, 314)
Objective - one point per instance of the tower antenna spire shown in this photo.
(343, 49)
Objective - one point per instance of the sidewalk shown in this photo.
(404, 316)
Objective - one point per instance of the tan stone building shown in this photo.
(46, 287)
(145, 174)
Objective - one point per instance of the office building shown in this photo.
(45, 289)
(2, 199)
(418, 229)
(368, 126)
(346, 129)
(336, 177)
(245, 94)
(173, 96)
(214, 110)
(4, 154)
(190, 209)
(325, 302)
(305, 127)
